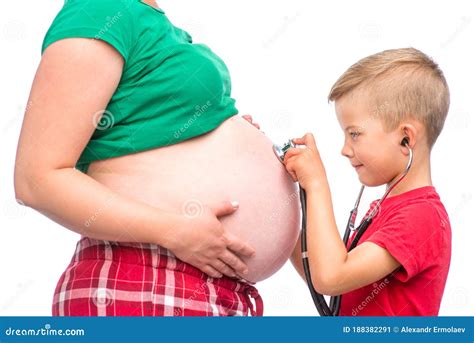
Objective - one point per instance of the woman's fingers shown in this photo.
(234, 262)
(249, 118)
(223, 268)
(238, 246)
(211, 271)
(224, 208)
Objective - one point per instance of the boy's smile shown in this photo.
(374, 153)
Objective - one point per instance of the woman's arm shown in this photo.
(75, 80)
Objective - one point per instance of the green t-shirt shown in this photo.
(171, 89)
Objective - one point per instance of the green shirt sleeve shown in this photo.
(107, 20)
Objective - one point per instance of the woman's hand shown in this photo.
(249, 118)
(304, 164)
(203, 242)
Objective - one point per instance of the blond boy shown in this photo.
(401, 263)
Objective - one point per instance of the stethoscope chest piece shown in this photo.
(334, 306)
(280, 151)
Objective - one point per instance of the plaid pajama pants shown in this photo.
(130, 279)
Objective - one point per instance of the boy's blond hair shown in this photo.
(402, 84)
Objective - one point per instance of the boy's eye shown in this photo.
(354, 134)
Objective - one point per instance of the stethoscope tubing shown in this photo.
(335, 301)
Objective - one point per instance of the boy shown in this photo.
(400, 265)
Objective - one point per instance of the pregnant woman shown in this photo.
(132, 140)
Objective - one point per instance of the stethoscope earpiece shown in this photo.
(405, 142)
(335, 302)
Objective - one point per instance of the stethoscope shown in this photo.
(335, 301)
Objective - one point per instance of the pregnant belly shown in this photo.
(233, 162)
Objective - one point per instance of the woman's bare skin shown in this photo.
(234, 161)
(75, 79)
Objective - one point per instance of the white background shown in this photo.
(283, 57)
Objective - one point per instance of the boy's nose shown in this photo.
(347, 151)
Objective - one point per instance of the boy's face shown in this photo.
(375, 154)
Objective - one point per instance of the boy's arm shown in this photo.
(334, 271)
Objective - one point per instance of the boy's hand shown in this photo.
(249, 118)
(304, 164)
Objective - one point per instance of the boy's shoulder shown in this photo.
(421, 204)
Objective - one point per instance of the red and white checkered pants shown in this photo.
(131, 279)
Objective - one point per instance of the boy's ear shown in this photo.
(409, 133)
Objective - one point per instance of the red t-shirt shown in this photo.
(414, 227)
